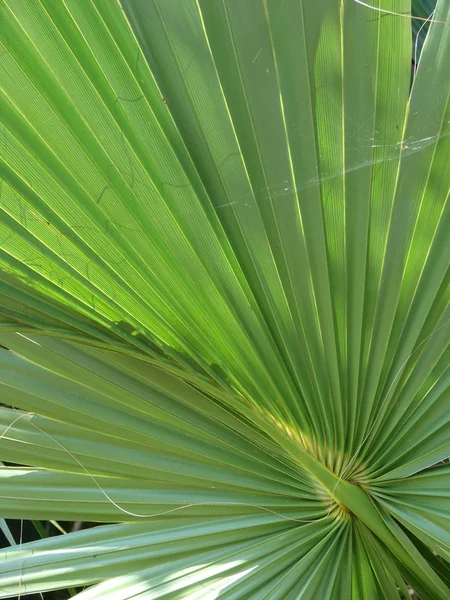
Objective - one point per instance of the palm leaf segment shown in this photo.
(224, 240)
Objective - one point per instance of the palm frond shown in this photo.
(224, 245)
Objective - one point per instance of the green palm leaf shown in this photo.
(224, 245)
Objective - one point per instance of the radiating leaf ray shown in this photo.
(224, 297)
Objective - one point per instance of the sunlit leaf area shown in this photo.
(225, 300)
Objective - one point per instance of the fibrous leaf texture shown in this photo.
(224, 298)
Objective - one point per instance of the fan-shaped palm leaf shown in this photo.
(224, 231)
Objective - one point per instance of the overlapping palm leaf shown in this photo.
(224, 245)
